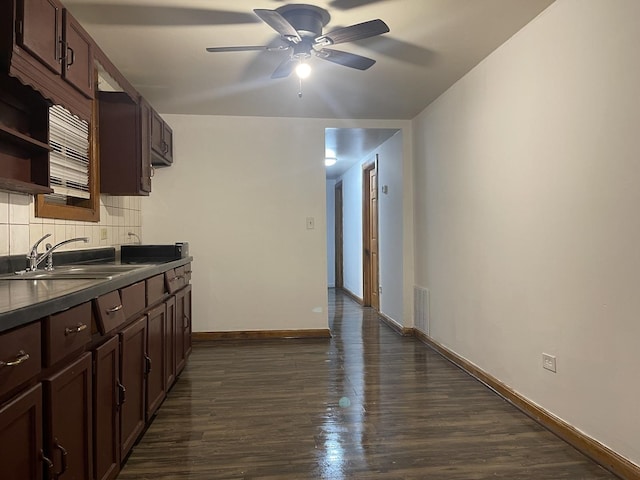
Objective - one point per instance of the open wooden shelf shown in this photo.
(23, 187)
(24, 141)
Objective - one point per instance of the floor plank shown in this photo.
(367, 404)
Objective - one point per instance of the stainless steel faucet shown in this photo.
(32, 256)
(35, 259)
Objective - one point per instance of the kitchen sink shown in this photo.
(72, 272)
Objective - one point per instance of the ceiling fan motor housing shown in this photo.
(308, 20)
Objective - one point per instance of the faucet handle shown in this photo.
(34, 248)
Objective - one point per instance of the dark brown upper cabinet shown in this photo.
(39, 30)
(77, 59)
(51, 34)
(44, 48)
(125, 144)
(161, 141)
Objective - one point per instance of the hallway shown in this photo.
(368, 404)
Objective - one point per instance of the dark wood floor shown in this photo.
(368, 404)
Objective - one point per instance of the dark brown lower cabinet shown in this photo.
(133, 365)
(21, 456)
(68, 424)
(108, 393)
(156, 390)
(170, 344)
(183, 327)
(186, 322)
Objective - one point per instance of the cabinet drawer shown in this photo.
(66, 332)
(181, 276)
(172, 281)
(109, 312)
(187, 273)
(155, 289)
(20, 356)
(133, 299)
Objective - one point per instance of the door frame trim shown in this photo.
(366, 240)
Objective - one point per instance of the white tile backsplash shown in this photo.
(20, 228)
(19, 209)
(19, 238)
(4, 239)
(4, 208)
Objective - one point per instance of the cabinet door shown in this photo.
(21, 454)
(40, 30)
(145, 145)
(108, 394)
(167, 138)
(133, 346)
(183, 327)
(77, 68)
(156, 325)
(180, 340)
(69, 420)
(186, 322)
(157, 130)
(125, 144)
(170, 344)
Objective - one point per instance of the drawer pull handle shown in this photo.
(122, 395)
(174, 279)
(77, 329)
(147, 364)
(63, 457)
(20, 358)
(114, 309)
(46, 461)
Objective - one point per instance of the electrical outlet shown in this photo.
(103, 234)
(549, 362)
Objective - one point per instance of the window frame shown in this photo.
(84, 210)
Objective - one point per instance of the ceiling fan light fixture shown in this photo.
(303, 70)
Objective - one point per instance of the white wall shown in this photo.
(390, 228)
(240, 192)
(352, 230)
(527, 226)
(331, 233)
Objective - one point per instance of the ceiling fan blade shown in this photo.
(354, 32)
(348, 4)
(285, 68)
(346, 59)
(248, 48)
(278, 23)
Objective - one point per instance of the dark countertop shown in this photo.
(24, 301)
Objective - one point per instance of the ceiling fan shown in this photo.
(300, 29)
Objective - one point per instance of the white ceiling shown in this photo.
(159, 45)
